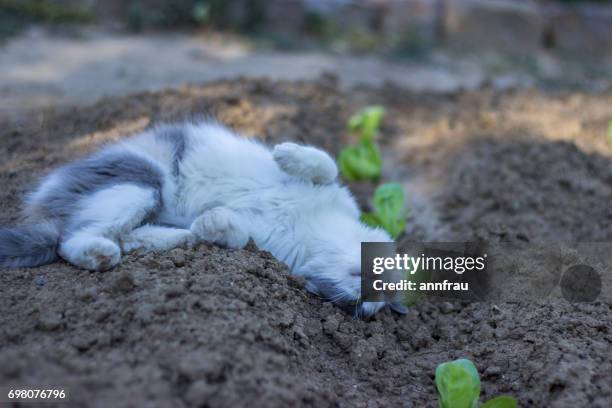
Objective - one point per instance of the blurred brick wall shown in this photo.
(505, 25)
(527, 25)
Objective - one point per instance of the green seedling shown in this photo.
(366, 122)
(363, 161)
(500, 402)
(389, 212)
(458, 383)
(610, 133)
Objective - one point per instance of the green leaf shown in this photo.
(354, 122)
(396, 227)
(363, 161)
(345, 163)
(371, 122)
(610, 133)
(388, 205)
(367, 122)
(501, 402)
(360, 162)
(389, 199)
(458, 383)
(393, 227)
(389, 211)
(370, 219)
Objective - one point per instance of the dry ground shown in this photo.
(216, 327)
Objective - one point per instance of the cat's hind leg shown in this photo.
(221, 226)
(157, 238)
(91, 238)
(305, 162)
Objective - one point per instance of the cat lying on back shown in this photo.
(179, 184)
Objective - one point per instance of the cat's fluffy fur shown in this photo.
(177, 184)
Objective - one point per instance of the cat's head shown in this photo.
(333, 261)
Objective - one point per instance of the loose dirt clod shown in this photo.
(228, 328)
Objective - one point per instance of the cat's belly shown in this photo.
(241, 194)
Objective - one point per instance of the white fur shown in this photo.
(157, 238)
(221, 226)
(306, 163)
(91, 252)
(115, 210)
(101, 219)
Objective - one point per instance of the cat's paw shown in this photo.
(92, 253)
(305, 162)
(221, 226)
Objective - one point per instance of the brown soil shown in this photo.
(216, 327)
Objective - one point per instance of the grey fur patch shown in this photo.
(50, 212)
(174, 135)
(28, 245)
(82, 178)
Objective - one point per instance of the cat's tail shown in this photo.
(29, 245)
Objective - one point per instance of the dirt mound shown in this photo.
(216, 327)
(536, 191)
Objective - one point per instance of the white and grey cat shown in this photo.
(182, 183)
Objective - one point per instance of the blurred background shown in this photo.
(63, 52)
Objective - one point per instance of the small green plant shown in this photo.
(458, 383)
(610, 133)
(363, 161)
(500, 402)
(366, 122)
(389, 212)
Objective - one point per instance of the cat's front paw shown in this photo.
(221, 226)
(92, 253)
(305, 162)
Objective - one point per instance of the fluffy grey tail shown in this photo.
(29, 245)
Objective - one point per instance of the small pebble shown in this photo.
(492, 371)
(40, 281)
(49, 321)
(199, 393)
(447, 307)
(178, 257)
(172, 291)
(123, 283)
(87, 294)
